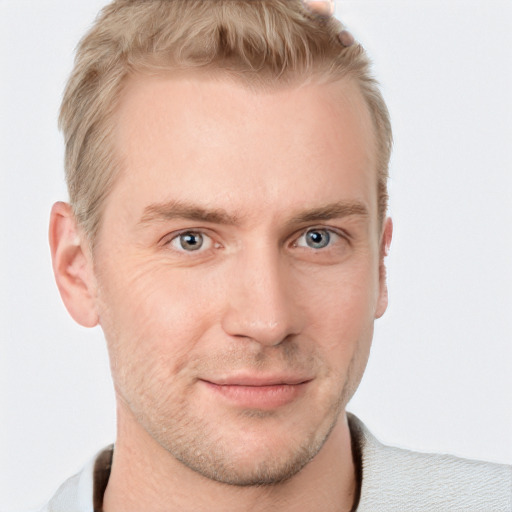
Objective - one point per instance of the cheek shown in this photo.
(153, 316)
(340, 316)
(341, 304)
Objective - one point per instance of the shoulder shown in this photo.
(80, 492)
(397, 479)
(66, 497)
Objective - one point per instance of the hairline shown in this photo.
(251, 82)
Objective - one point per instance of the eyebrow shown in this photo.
(331, 211)
(182, 210)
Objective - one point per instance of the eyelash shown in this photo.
(213, 245)
(330, 233)
(199, 232)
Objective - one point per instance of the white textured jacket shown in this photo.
(392, 480)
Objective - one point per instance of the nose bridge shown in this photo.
(260, 297)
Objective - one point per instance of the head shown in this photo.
(227, 167)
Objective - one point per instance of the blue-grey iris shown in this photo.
(318, 238)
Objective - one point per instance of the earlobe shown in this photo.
(72, 265)
(385, 242)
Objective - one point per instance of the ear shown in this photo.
(385, 242)
(72, 265)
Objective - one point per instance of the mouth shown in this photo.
(258, 392)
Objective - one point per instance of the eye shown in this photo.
(190, 241)
(315, 238)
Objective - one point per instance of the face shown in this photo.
(238, 269)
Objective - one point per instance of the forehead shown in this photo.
(214, 140)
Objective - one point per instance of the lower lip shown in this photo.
(259, 397)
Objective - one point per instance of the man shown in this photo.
(227, 164)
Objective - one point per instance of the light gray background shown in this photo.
(439, 377)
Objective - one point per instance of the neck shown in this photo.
(145, 476)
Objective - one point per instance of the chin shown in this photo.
(261, 458)
(265, 470)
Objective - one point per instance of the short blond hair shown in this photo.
(262, 43)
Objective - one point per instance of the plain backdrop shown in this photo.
(439, 377)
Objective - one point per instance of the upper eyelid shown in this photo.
(337, 231)
(168, 237)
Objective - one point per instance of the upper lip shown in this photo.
(258, 380)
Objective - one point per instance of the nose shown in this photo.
(261, 305)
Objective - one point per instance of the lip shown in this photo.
(258, 392)
(259, 380)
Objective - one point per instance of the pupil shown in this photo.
(191, 241)
(318, 239)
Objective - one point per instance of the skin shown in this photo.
(322, 7)
(233, 363)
